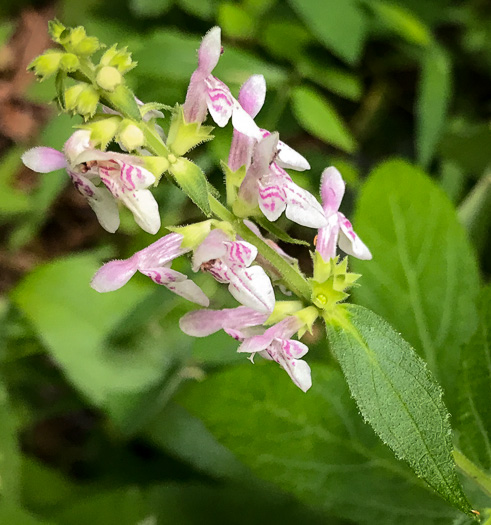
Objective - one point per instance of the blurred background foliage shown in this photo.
(103, 401)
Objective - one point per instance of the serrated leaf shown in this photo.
(399, 397)
(423, 278)
(474, 414)
(193, 181)
(432, 103)
(314, 446)
(340, 26)
(319, 117)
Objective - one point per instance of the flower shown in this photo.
(154, 261)
(123, 179)
(229, 262)
(207, 93)
(338, 230)
(274, 344)
(251, 98)
(270, 186)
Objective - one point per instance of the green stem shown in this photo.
(472, 471)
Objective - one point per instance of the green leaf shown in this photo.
(9, 453)
(192, 180)
(13, 200)
(201, 8)
(423, 278)
(435, 89)
(402, 21)
(314, 446)
(277, 232)
(319, 117)
(340, 26)
(399, 397)
(235, 21)
(277, 32)
(74, 322)
(11, 514)
(474, 415)
(150, 8)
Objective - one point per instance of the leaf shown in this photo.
(399, 397)
(423, 277)
(75, 322)
(11, 514)
(235, 21)
(474, 415)
(277, 232)
(317, 116)
(9, 453)
(402, 21)
(192, 180)
(201, 8)
(314, 446)
(13, 201)
(435, 89)
(340, 26)
(149, 8)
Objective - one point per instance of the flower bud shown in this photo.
(120, 59)
(56, 29)
(131, 136)
(193, 234)
(108, 78)
(46, 65)
(87, 101)
(88, 46)
(69, 62)
(71, 96)
(103, 129)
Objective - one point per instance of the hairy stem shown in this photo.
(472, 471)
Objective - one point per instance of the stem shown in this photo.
(472, 471)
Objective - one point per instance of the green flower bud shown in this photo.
(71, 96)
(131, 136)
(87, 101)
(69, 62)
(88, 46)
(56, 29)
(194, 234)
(108, 78)
(103, 129)
(120, 59)
(46, 65)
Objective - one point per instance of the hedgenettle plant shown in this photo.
(394, 390)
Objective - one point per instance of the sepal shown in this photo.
(130, 136)
(103, 129)
(283, 309)
(184, 136)
(233, 180)
(118, 58)
(192, 180)
(193, 234)
(46, 64)
(108, 78)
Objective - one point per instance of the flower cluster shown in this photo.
(232, 250)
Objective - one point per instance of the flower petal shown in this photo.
(113, 275)
(240, 253)
(252, 94)
(212, 247)
(178, 283)
(332, 190)
(44, 160)
(288, 158)
(219, 100)
(77, 144)
(100, 200)
(301, 206)
(205, 322)
(162, 251)
(297, 369)
(272, 198)
(243, 122)
(252, 287)
(240, 151)
(209, 51)
(282, 330)
(327, 238)
(349, 242)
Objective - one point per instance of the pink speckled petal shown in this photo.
(252, 288)
(297, 369)
(162, 251)
(202, 323)
(113, 275)
(99, 199)
(288, 158)
(332, 190)
(349, 241)
(240, 253)
(209, 51)
(44, 160)
(252, 94)
(212, 247)
(220, 101)
(327, 238)
(178, 283)
(282, 330)
(293, 349)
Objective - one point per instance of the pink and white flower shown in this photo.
(338, 230)
(230, 262)
(251, 98)
(123, 179)
(242, 324)
(154, 261)
(268, 185)
(207, 93)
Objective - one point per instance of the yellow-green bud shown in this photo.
(108, 78)
(157, 165)
(131, 136)
(71, 96)
(69, 62)
(121, 59)
(103, 129)
(46, 65)
(77, 34)
(193, 234)
(87, 101)
(55, 29)
(88, 46)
